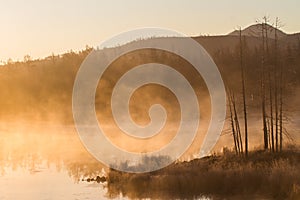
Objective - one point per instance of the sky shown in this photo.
(39, 27)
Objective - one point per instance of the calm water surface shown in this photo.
(45, 161)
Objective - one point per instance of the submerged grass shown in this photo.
(262, 175)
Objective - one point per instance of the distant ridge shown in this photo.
(256, 29)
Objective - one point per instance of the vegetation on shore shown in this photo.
(261, 175)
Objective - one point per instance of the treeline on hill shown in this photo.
(42, 89)
(39, 89)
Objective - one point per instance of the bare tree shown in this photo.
(276, 80)
(243, 91)
(263, 96)
(280, 94)
(236, 142)
(271, 121)
(237, 125)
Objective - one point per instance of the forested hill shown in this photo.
(42, 88)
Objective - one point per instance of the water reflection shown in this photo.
(41, 160)
(27, 146)
(46, 161)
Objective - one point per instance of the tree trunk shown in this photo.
(244, 94)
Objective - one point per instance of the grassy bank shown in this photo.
(262, 175)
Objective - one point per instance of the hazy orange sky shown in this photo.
(40, 27)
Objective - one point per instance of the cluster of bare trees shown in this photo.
(272, 86)
(271, 92)
(235, 125)
(234, 119)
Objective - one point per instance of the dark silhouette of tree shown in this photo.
(243, 90)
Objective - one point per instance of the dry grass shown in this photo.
(261, 175)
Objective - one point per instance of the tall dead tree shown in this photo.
(281, 108)
(237, 125)
(276, 82)
(271, 74)
(269, 128)
(243, 92)
(280, 94)
(271, 121)
(263, 96)
(232, 122)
